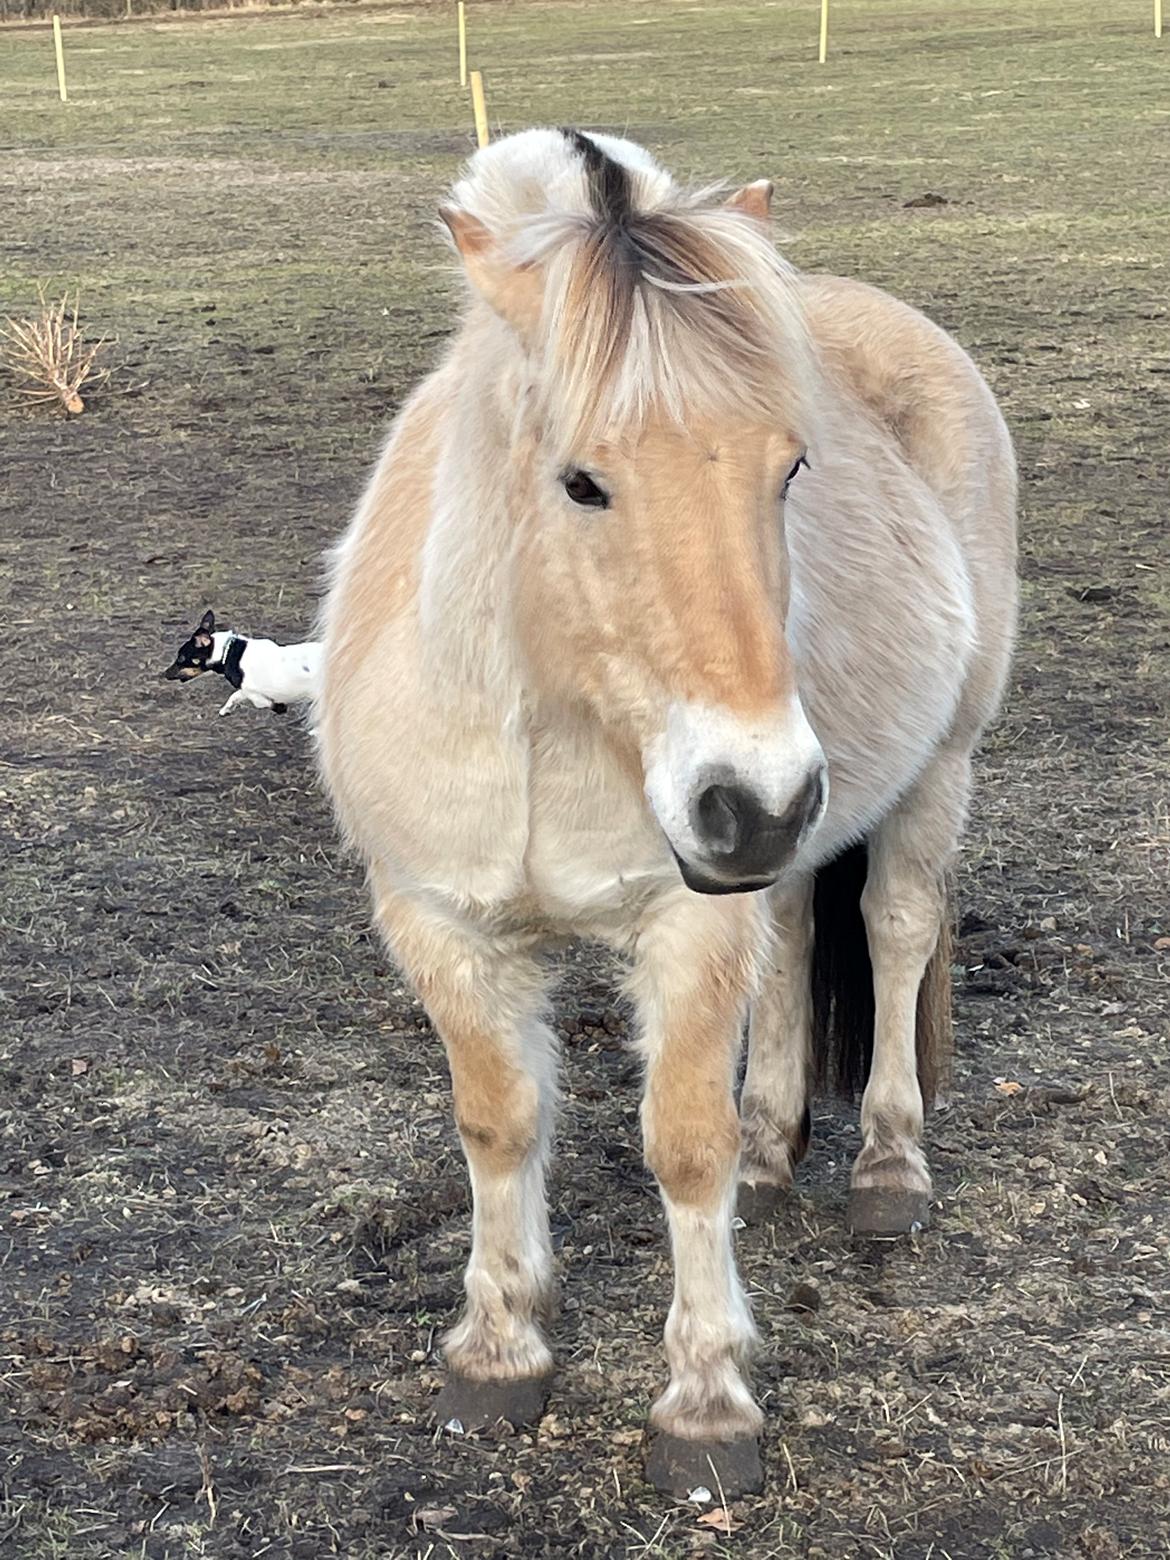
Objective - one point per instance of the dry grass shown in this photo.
(49, 355)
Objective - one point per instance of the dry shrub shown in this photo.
(49, 354)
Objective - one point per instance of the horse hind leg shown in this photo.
(774, 1107)
(486, 1003)
(904, 905)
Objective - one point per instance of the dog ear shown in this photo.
(207, 622)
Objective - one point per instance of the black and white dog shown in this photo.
(260, 671)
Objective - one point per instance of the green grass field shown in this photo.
(232, 1207)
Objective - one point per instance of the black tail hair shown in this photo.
(842, 975)
(842, 986)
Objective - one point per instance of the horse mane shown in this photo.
(657, 300)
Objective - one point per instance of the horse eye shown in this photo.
(582, 489)
(803, 461)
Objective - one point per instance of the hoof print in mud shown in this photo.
(482, 1405)
(882, 1213)
(757, 1202)
(728, 1468)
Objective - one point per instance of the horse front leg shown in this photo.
(774, 1110)
(904, 904)
(487, 1001)
(696, 962)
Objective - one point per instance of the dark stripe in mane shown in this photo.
(609, 183)
(666, 304)
(637, 241)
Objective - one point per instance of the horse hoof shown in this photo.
(480, 1405)
(731, 1468)
(759, 1200)
(884, 1213)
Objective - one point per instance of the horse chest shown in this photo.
(593, 851)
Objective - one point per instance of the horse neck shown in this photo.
(466, 588)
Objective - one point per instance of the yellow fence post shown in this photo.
(61, 87)
(480, 108)
(824, 50)
(1157, 18)
(462, 44)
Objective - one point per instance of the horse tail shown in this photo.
(842, 987)
(934, 1035)
(842, 975)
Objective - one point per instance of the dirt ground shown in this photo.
(232, 1208)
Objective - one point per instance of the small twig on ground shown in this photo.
(791, 1470)
(1113, 1097)
(722, 1496)
(208, 1490)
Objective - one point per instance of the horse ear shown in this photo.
(754, 200)
(515, 292)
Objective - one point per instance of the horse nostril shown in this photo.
(736, 830)
(804, 808)
(814, 796)
(720, 811)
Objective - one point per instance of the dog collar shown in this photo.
(229, 640)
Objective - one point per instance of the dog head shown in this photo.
(192, 658)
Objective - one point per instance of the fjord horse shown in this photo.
(678, 600)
